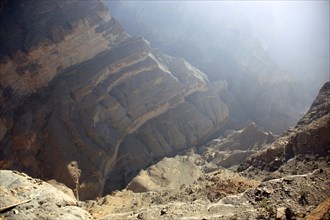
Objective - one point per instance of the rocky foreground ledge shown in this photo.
(23, 197)
(220, 194)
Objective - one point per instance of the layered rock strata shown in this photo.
(41, 39)
(97, 120)
(224, 46)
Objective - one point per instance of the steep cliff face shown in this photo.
(40, 39)
(85, 104)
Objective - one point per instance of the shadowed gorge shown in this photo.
(171, 117)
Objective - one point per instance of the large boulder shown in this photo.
(23, 197)
(169, 173)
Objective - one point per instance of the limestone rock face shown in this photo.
(50, 36)
(310, 136)
(39, 39)
(94, 115)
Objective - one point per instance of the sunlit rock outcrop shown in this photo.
(23, 197)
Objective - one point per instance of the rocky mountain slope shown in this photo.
(193, 185)
(120, 130)
(310, 136)
(84, 103)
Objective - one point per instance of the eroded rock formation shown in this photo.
(310, 136)
(96, 106)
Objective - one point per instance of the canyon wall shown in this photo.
(88, 105)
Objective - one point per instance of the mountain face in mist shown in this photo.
(220, 38)
(309, 137)
(92, 110)
(84, 103)
(296, 35)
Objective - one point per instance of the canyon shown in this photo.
(96, 123)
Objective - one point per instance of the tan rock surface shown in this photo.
(22, 197)
(81, 39)
(169, 173)
(45, 38)
(322, 211)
